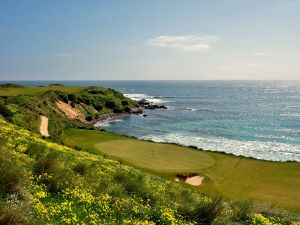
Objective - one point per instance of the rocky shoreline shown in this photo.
(143, 104)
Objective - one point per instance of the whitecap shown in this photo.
(273, 151)
(191, 109)
(148, 98)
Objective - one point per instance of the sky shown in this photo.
(150, 40)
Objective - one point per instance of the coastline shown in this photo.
(115, 116)
(108, 117)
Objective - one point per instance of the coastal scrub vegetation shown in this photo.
(54, 184)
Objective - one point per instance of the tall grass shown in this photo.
(204, 213)
(10, 176)
(10, 215)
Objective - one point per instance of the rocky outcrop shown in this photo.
(148, 105)
(138, 110)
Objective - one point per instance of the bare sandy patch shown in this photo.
(195, 180)
(69, 111)
(44, 126)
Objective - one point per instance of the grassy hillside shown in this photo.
(237, 177)
(47, 183)
(24, 105)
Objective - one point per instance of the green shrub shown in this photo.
(10, 176)
(80, 168)
(45, 164)
(89, 118)
(204, 212)
(242, 210)
(64, 97)
(117, 110)
(110, 104)
(73, 104)
(124, 103)
(98, 107)
(72, 97)
(127, 109)
(54, 177)
(35, 150)
(4, 111)
(133, 184)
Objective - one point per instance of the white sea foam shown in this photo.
(106, 123)
(191, 109)
(151, 99)
(257, 149)
(290, 114)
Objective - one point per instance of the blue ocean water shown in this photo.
(260, 119)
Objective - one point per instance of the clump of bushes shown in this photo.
(110, 104)
(204, 212)
(133, 184)
(4, 111)
(45, 164)
(242, 209)
(53, 177)
(80, 168)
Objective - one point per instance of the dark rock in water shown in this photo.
(143, 102)
(148, 105)
(137, 111)
(155, 107)
(144, 115)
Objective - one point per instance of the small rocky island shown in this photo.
(146, 104)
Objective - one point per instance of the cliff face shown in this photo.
(66, 108)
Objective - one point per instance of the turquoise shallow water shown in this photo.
(260, 119)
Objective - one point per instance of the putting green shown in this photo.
(163, 158)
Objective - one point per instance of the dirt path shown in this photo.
(44, 126)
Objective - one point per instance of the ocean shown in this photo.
(259, 119)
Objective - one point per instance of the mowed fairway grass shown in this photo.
(29, 90)
(238, 177)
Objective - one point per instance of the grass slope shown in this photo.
(46, 183)
(233, 176)
(24, 105)
(34, 90)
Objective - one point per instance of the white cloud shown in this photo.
(63, 55)
(184, 43)
(258, 54)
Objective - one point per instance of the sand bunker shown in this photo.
(69, 111)
(44, 126)
(195, 180)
